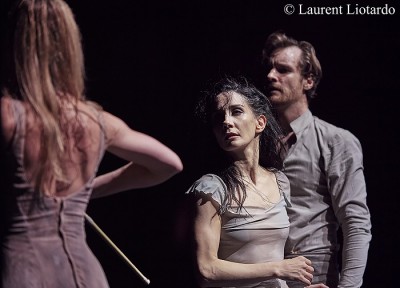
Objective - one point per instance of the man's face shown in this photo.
(285, 82)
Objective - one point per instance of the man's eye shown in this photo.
(282, 70)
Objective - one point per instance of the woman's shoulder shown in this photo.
(7, 120)
(209, 184)
(210, 177)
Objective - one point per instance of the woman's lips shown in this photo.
(230, 135)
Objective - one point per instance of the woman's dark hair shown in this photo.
(270, 138)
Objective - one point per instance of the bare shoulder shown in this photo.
(8, 121)
(113, 124)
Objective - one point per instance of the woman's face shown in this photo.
(234, 124)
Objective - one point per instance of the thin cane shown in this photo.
(108, 240)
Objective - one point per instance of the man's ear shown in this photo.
(308, 83)
(261, 123)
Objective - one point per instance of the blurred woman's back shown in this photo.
(52, 143)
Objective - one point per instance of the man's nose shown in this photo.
(271, 76)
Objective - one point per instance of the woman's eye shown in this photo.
(236, 111)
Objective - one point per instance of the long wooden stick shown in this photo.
(111, 243)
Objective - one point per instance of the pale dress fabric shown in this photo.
(252, 235)
(44, 243)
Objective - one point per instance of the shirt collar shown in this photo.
(300, 123)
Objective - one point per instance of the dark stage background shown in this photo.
(148, 61)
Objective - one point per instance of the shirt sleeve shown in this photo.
(210, 186)
(349, 198)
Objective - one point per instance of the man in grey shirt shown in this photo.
(324, 164)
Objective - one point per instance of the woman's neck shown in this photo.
(250, 170)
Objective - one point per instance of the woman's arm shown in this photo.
(216, 272)
(149, 161)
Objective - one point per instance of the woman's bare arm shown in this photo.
(149, 161)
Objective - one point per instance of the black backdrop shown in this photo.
(148, 60)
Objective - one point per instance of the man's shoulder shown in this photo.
(331, 132)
